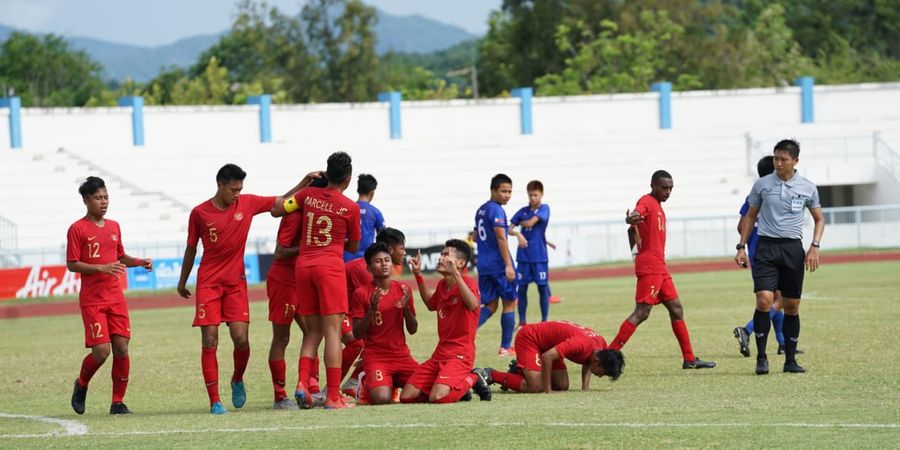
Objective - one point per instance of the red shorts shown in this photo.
(217, 304)
(391, 372)
(282, 301)
(103, 321)
(322, 290)
(653, 288)
(528, 354)
(449, 372)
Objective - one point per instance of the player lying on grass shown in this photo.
(380, 310)
(542, 349)
(447, 376)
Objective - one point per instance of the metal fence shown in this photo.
(580, 243)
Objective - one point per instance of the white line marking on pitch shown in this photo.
(83, 430)
(71, 427)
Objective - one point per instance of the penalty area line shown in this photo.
(69, 427)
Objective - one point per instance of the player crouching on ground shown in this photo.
(542, 350)
(447, 376)
(380, 310)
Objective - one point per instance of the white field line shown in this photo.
(83, 430)
(70, 427)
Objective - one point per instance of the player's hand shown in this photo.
(374, 299)
(812, 259)
(407, 295)
(450, 266)
(551, 245)
(415, 263)
(523, 243)
(184, 292)
(741, 259)
(510, 273)
(148, 264)
(633, 217)
(114, 268)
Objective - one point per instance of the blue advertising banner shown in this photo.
(166, 272)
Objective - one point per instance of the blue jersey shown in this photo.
(536, 235)
(751, 241)
(371, 222)
(489, 216)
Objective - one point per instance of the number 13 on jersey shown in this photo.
(321, 236)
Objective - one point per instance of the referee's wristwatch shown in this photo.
(739, 247)
(815, 244)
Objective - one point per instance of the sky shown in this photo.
(160, 22)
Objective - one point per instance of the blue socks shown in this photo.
(523, 303)
(485, 315)
(507, 325)
(544, 292)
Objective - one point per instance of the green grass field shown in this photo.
(849, 398)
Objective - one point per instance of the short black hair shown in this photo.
(499, 179)
(659, 174)
(374, 249)
(535, 185)
(462, 249)
(765, 166)
(230, 172)
(612, 362)
(340, 166)
(391, 237)
(788, 145)
(91, 186)
(365, 184)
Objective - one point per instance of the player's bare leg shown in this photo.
(412, 394)
(679, 328)
(331, 333)
(120, 371)
(209, 342)
(381, 395)
(240, 337)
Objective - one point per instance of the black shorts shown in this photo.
(778, 265)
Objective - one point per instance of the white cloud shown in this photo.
(27, 14)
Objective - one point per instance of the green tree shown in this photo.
(45, 71)
(210, 88)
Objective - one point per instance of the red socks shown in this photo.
(333, 383)
(210, 366)
(313, 385)
(510, 380)
(120, 369)
(278, 369)
(684, 340)
(625, 332)
(241, 358)
(89, 367)
(306, 365)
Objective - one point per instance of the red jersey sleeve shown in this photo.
(354, 232)
(642, 208)
(358, 304)
(288, 230)
(120, 249)
(193, 229)
(260, 204)
(73, 245)
(574, 348)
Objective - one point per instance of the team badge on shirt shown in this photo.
(238, 216)
(114, 237)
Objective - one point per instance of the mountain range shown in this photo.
(403, 34)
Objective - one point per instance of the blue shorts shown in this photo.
(495, 286)
(531, 272)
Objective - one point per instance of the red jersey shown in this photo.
(572, 341)
(224, 236)
(328, 219)
(456, 322)
(90, 243)
(385, 338)
(288, 236)
(651, 257)
(358, 274)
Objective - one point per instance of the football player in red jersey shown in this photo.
(447, 376)
(222, 224)
(380, 310)
(94, 249)
(542, 349)
(654, 284)
(330, 225)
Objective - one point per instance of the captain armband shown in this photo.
(290, 205)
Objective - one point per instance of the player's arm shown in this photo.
(746, 227)
(500, 234)
(409, 317)
(521, 238)
(131, 261)
(187, 264)
(416, 267)
(468, 297)
(586, 376)
(285, 252)
(351, 246)
(812, 256)
(551, 245)
(279, 208)
(547, 360)
(635, 217)
(114, 268)
(530, 222)
(361, 325)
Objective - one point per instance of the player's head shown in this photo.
(339, 171)
(765, 166)
(365, 185)
(501, 188)
(396, 243)
(607, 363)
(786, 156)
(93, 193)
(535, 193)
(378, 258)
(661, 185)
(456, 250)
(230, 182)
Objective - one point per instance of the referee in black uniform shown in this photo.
(777, 202)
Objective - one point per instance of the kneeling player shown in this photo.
(447, 376)
(379, 311)
(542, 349)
